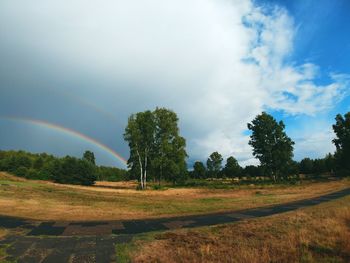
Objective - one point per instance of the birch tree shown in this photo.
(139, 134)
(156, 146)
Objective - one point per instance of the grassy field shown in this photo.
(48, 201)
(3, 232)
(317, 234)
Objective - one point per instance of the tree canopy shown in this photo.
(89, 156)
(232, 168)
(271, 145)
(214, 164)
(156, 146)
(342, 141)
(199, 170)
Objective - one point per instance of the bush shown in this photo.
(62, 170)
(37, 175)
(21, 171)
(139, 188)
(111, 174)
(158, 187)
(71, 170)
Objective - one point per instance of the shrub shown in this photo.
(21, 171)
(71, 170)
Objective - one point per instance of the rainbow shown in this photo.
(88, 104)
(70, 132)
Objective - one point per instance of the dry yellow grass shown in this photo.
(107, 201)
(3, 232)
(318, 234)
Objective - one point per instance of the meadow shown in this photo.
(44, 200)
(316, 234)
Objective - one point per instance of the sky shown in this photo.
(72, 71)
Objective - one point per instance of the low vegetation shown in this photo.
(119, 200)
(68, 169)
(317, 234)
(3, 232)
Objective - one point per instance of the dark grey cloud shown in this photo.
(88, 65)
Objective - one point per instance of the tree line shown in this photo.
(157, 151)
(232, 169)
(67, 170)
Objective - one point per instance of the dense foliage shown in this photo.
(68, 170)
(157, 151)
(71, 170)
(214, 164)
(199, 170)
(271, 145)
(342, 142)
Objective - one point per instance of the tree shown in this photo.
(71, 170)
(253, 171)
(111, 174)
(330, 162)
(169, 154)
(271, 145)
(319, 166)
(232, 168)
(199, 170)
(89, 156)
(139, 134)
(342, 141)
(214, 164)
(306, 166)
(156, 146)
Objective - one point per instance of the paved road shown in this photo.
(95, 241)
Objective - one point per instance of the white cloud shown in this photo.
(315, 143)
(217, 63)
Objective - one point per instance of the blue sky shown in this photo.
(87, 67)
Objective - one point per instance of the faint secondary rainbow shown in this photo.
(70, 132)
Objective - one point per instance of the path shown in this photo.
(95, 241)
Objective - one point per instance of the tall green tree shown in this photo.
(306, 166)
(139, 134)
(89, 156)
(199, 170)
(214, 164)
(271, 145)
(156, 146)
(232, 168)
(342, 141)
(169, 154)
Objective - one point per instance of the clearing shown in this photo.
(43, 200)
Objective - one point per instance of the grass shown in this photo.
(113, 201)
(124, 250)
(316, 234)
(3, 247)
(3, 232)
(3, 254)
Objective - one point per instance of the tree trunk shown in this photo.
(145, 172)
(160, 174)
(141, 170)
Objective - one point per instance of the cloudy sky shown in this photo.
(72, 71)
